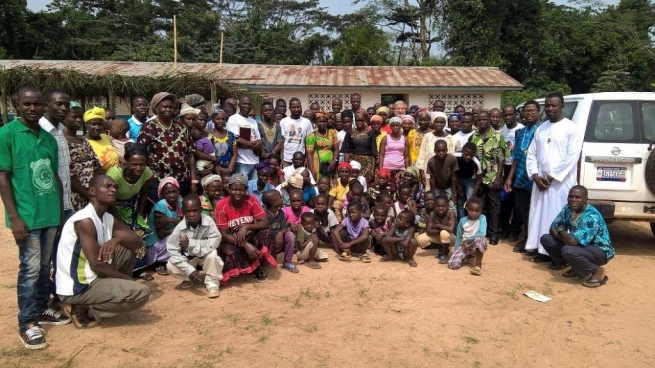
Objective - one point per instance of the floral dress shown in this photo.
(83, 164)
(322, 148)
(223, 148)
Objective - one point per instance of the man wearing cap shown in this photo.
(248, 138)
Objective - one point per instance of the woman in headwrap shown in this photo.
(246, 241)
(427, 144)
(322, 148)
(100, 142)
(359, 145)
(131, 197)
(170, 146)
(277, 175)
(295, 181)
(376, 126)
(165, 215)
(394, 152)
(212, 192)
(383, 112)
(415, 137)
(412, 176)
(453, 124)
(83, 161)
(340, 190)
(382, 185)
(224, 142)
(408, 123)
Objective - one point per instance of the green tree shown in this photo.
(12, 26)
(360, 45)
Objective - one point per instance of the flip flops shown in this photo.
(594, 283)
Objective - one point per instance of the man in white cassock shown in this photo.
(551, 163)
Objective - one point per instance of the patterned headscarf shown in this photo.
(295, 180)
(186, 109)
(163, 182)
(459, 117)
(383, 109)
(210, 179)
(408, 117)
(413, 171)
(395, 119)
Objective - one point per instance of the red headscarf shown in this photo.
(346, 165)
(385, 173)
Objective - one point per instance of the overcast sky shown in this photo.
(335, 6)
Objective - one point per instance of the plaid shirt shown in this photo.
(491, 150)
(522, 141)
(63, 171)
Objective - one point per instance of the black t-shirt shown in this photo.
(468, 170)
(362, 144)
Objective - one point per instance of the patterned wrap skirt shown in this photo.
(466, 250)
(236, 260)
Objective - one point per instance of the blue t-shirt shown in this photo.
(308, 192)
(253, 191)
(135, 128)
(589, 229)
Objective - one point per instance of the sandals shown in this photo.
(161, 270)
(313, 265)
(345, 257)
(540, 258)
(570, 273)
(365, 258)
(519, 249)
(145, 276)
(594, 283)
(442, 258)
(260, 276)
(412, 262)
(476, 271)
(291, 267)
(386, 258)
(81, 319)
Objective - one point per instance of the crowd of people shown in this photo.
(209, 195)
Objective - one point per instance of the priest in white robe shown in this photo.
(552, 164)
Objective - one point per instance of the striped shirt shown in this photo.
(74, 275)
(63, 170)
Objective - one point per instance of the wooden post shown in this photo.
(220, 55)
(214, 96)
(175, 43)
(3, 104)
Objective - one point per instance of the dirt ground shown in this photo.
(371, 315)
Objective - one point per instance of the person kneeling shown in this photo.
(94, 261)
(579, 237)
(470, 243)
(194, 242)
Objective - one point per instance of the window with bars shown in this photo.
(325, 100)
(453, 99)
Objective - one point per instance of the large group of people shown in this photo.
(206, 196)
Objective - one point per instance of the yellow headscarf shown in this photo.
(383, 109)
(94, 113)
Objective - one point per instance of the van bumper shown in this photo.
(625, 211)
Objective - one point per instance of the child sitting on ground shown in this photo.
(117, 132)
(307, 242)
(356, 194)
(399, 243)
(204, 150)
(357, 168)
(323, 185)
(440, 229)
(352, 235)
(430, 200)
(326, 220)
(278, 228)
(380, 225)
(470, 241)
(387, 200)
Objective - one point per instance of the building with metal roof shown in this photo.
(415, 85)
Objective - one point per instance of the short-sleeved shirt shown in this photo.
(362, 144)
(33, 162)
(232, 219)
(277, 222)
(205, 145)
(510, 137)
(522, 140)
(105, 151)
(135, 128)
(442, 171)
(163, 208)
(339, 191)
(125, 189)
(291, 217)
(331, 221)
(589, 229)
(234, 124)
(308, 192)
(253, 191)
(64, 158)
(354, 231)
(468, 170)
(491, 150)
(294, 131)
(271, 136)
(169, 149)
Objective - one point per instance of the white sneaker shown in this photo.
(213, 293)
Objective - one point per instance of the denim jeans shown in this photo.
(34, 274)
(583, 260)
(246, 169)
(468, 185)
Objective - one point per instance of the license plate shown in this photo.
(608, 173)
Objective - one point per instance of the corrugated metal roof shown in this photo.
(255, 75)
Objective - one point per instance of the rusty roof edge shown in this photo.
(399, 88)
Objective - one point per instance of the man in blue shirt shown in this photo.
(518, 180)
(579, 237)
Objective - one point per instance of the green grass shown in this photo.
(471, 340)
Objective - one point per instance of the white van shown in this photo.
(617, 164)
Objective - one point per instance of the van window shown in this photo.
(611, 122)
(648, 116)
(569, 110)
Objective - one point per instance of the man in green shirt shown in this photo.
(491, 153)
(32, 195)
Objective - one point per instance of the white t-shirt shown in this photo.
(294, 132)
(70, 255)
(234, 123)
(510, 137)
(341, 135)
(461, 139)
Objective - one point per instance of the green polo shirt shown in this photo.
(32, 162)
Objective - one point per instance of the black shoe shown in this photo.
(53, 317)
(261, 276)
(518, 249)
(504, 234)
(513, 238)
(493, 240)
(33, 338)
